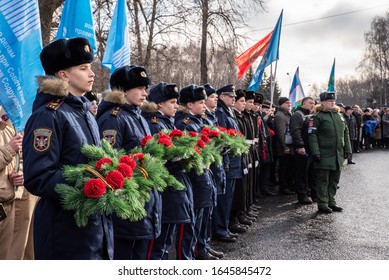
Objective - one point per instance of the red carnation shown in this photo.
(231, 132)
(201, 143)
(176, 133)
(166, 141)
(115, 179)
(145, 140)
(94, 188)
(213, 133)
(206, 130)
(239, 133)
(139, 157)
(128, 160)
(125, 169)
(192, 133)
(205, 138)
(222, 129)
(102, 161)
(197, 150)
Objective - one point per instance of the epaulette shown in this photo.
(154, 120)
(116, 111)
(55, 103)
(186, 120)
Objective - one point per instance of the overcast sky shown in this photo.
(313, 45)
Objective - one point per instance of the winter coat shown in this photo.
(204, 185)
(177, 205)
(281, 128)
(124, 127)
(265, 148)
(299, 128)
(352, 126)
(227, 120)
(59, 126)
(385, 126)
(329, 138)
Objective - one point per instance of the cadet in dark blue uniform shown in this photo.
(192, 98)
(177, 206)
(54, 134)
(121, 123)
(233, 167)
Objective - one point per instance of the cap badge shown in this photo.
(86, 48)
(143, 74)
(176, 89)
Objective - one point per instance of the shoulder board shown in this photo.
(55, 104)
(116, 111)
(154, 120)
(186, 120)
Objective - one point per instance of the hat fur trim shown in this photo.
(149, 107)
(115, 96)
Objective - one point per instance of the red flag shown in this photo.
(245, 59)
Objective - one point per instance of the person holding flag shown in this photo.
(59, 126)
(296, 94)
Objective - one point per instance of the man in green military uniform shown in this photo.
(330, 145)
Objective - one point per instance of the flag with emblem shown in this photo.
(117, 51)
(21, 44)
(271, 54)
(331, 81)
(296, 94)
(245, 59)
(77, 21)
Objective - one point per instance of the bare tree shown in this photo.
(46, 11)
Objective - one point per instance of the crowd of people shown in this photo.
(297, 153)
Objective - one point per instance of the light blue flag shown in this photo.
(117, 51)
(77, 21)
(331, 81)
(296, 94)
(271, 54)
(20, 46)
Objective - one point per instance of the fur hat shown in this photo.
(209, 89)
(128, 77)
(258, 98)
(65, 53)
(192, 93)
(250, 95)
(239, 94)
(327, 96)
(282, 100)
(162, 92)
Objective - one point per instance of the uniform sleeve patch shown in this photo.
(42, 137)
(110, 136)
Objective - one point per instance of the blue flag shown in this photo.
(77, 21)
(296, 94)
(331, 81)
(271, 54)
(117, 51)
(20, 46)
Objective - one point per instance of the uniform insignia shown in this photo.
(154, 120)
(42, 138)
(110, 136)
(86, 48)
(143, 74)
(116, 111)
(55, 104)
(186, 120)
(176, 89)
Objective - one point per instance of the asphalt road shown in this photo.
(286, 230)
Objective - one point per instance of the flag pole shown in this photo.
(272, 81)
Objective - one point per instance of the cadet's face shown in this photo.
(197, 107)
(93, 108)
(211, 102)
(168, 107)
(240, 104)
(80, 78)
(249, 104)
(136, 96)
(256, 107)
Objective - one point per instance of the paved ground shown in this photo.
(287, 231)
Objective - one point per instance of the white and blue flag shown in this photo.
(77, 21)
(117, 50)
(20, 46)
